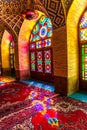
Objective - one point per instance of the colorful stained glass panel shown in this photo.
(84, 62)
(47, 56)
(83, 34)
(39, 61)
(38, 44)
(32, 57)
(32, 46)
(83, 22)
(48, 42)
(43, 29)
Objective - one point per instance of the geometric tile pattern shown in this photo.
(55, 11)
(13, 22)
(1, 32)
(39, 6)
(12, 6)
(52, 8)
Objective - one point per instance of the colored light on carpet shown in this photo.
(71, 115)
(81, 96)
(46, 86)
(18, 91)
(6, 79)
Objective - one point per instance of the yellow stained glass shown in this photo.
(83, 34)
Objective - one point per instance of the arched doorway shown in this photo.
(7, 54)
(73, 16)
(40, 50)
(83, 51)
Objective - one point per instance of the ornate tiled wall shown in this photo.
(12, 22)
(12, 6)
(55, 11)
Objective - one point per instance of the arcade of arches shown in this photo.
(46, 45)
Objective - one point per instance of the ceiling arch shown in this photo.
(12, 23)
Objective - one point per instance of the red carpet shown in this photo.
(33, 108)
(71, 115)
(12, 92)
(16, 91)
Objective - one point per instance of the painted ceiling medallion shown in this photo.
(30, 15)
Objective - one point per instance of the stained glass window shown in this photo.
(47, 55)
(43, 29)
(83, 27)
(83, 34)
(83, 39)
(39, 41)
(12, 54)
(39, 61)
(43, 43)
(83, 21)
(12, 48)
(32, 56)
(32, 46)
(84, 62)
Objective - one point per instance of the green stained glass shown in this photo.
(84, 61)
(82, 58)
(32, 55)
(42, 20)
(85, 54)
(82, 51)
(82, 73)
(83, 66)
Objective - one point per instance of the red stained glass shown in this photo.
(47, 55)
(39, 61)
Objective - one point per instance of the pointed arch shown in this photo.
(74, 14)
(23, 46)
(5, 67)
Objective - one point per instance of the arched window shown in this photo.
(40, 48)
(83, 48)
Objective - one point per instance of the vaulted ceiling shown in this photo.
(55, 9)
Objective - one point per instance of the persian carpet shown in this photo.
(71, 115)
(12, 92)
(17, 91)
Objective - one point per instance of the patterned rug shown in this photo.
(17, 91)
(60, 113)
